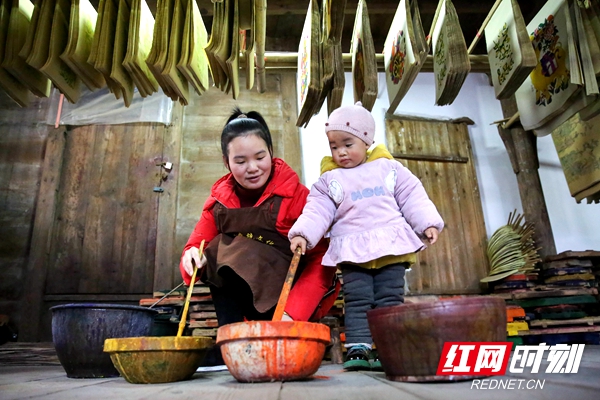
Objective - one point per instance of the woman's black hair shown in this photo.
(244, 124)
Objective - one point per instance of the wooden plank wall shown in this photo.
(201, 160)
(100, 232)
(105, 231)
(22, 143)
(439, 154)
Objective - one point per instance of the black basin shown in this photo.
(79, 331)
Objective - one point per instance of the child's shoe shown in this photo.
(375, 363)
(357, 358)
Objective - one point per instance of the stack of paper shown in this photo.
(450, 56)
(404, 51)
(81, 35)
(15, 89)
(364, 63)
(193, 63)
(510, 52)
(309, 65)
(548, 91)
(139, 42)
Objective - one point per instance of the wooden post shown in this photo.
(166, 272)
(521, 146)
(336, 352)
(31, 309)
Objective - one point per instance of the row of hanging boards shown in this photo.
(124, 47)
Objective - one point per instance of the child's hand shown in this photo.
(298, 241)
(432, 234)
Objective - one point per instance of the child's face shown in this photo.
(249, 161)
(347, 150)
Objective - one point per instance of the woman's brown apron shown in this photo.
(251, 246)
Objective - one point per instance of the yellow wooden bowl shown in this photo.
(157, 359)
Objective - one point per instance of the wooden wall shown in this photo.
(22, 144)
(439, 154)
(78, 208)
(203, 121)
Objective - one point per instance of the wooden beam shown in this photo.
(385, 7)
(43, 224)
(285, 60)
(94, 297)
(166, 270)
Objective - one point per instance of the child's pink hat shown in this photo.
(355, 120)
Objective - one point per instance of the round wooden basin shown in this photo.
(157, 359)
(410, 337)
(267, 351)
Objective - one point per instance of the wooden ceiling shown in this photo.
(285, 19)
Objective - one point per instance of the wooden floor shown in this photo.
(27, 381)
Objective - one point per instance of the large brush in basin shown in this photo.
(266, 351)
(160, 359)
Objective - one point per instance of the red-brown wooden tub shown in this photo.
(410, 337)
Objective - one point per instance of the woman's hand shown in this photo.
(298, 241)
(186, 260)
(286, 317)
(432, 234)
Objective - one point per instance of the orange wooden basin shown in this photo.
(157, 359)
(267, 351)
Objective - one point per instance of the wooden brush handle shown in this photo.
(186, 306)
(287, 285)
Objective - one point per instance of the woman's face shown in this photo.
(347, 150)
(249, 161)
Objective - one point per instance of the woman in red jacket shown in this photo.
(245, 222)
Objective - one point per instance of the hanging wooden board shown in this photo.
(193, 63)
(404, 51)
(309, 65)
(63, 77)
(232, 62)
(15, 89)
(102, 46)
(170, 73)
(118, 73)
(510, 52)
(451, 63)
(19, 23)
(548, 90)
(81, 35)
(139, 44)
(364, 64)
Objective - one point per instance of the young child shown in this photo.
(375, 212)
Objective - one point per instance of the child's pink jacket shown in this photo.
(376, 209)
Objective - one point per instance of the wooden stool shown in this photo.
(336, 344)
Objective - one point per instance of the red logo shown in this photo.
(474, 358)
